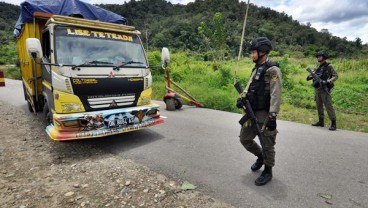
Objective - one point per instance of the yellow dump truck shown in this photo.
(89, 78)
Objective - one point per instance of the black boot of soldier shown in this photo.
(319, 123)
(265, 177)
(333, 125)
(258, 164)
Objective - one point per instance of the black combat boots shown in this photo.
(265, 177)
(258, 164)
(333, 125)
(319, 123)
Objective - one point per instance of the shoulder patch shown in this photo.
(274, 77)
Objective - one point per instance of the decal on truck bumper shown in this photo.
(103, 123)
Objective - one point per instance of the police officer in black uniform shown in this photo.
(264, 95)
(323, 91)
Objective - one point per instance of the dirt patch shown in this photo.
(38, 172)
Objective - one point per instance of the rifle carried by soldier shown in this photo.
(317, 81)
(249, 113)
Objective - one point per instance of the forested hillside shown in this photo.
(179, 27)
(8, 16)
(210, 28)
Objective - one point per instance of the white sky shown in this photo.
(347, 18)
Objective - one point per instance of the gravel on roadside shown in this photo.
(38, 172)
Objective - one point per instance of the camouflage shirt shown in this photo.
(273, 84)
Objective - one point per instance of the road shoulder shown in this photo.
(38, 172)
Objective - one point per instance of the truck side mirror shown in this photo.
(165, 57)
(34, 49)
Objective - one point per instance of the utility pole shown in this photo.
(145, 27)
(146, 39)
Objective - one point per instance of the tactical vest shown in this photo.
(322, 72)
(258, 95)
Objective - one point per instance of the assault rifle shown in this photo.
(249, 114)
(317, 81)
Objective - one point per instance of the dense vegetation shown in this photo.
(8, 16)
(212, 84)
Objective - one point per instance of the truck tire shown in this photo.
(24, 91)
(38, 105)
(29, 107)
(47, 114)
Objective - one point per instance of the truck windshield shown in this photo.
(82, 46)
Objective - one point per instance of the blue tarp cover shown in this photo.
(66, 8)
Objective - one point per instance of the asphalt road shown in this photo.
(202, 146)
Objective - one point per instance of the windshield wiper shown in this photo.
(91, 63)
(126, 63)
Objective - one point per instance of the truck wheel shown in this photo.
(29, 107)
(25, 98)
(24, 91)
(38, 105)
(47, 114)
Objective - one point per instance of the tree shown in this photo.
(266, 29)
(358, 43)
(214, 37)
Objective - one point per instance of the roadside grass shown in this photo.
(345, 121)
(212, 84)
(11, 72)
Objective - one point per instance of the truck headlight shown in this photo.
(70, 124)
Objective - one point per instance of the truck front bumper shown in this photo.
(103, 123)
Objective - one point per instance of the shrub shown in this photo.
(214, 88)
(13, 72)
(286, 69)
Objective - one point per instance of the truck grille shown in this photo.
(107, 102)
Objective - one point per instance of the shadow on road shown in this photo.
(127, 141)
(275, 190)
(77, 150)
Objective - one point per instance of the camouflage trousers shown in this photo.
(248, 133)
(323, 97)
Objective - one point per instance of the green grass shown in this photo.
(212, 84)
(11, 72)
(345, 121)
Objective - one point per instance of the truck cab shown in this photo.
(89, 78)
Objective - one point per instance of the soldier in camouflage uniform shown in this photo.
(264, 94)
(323, 91)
